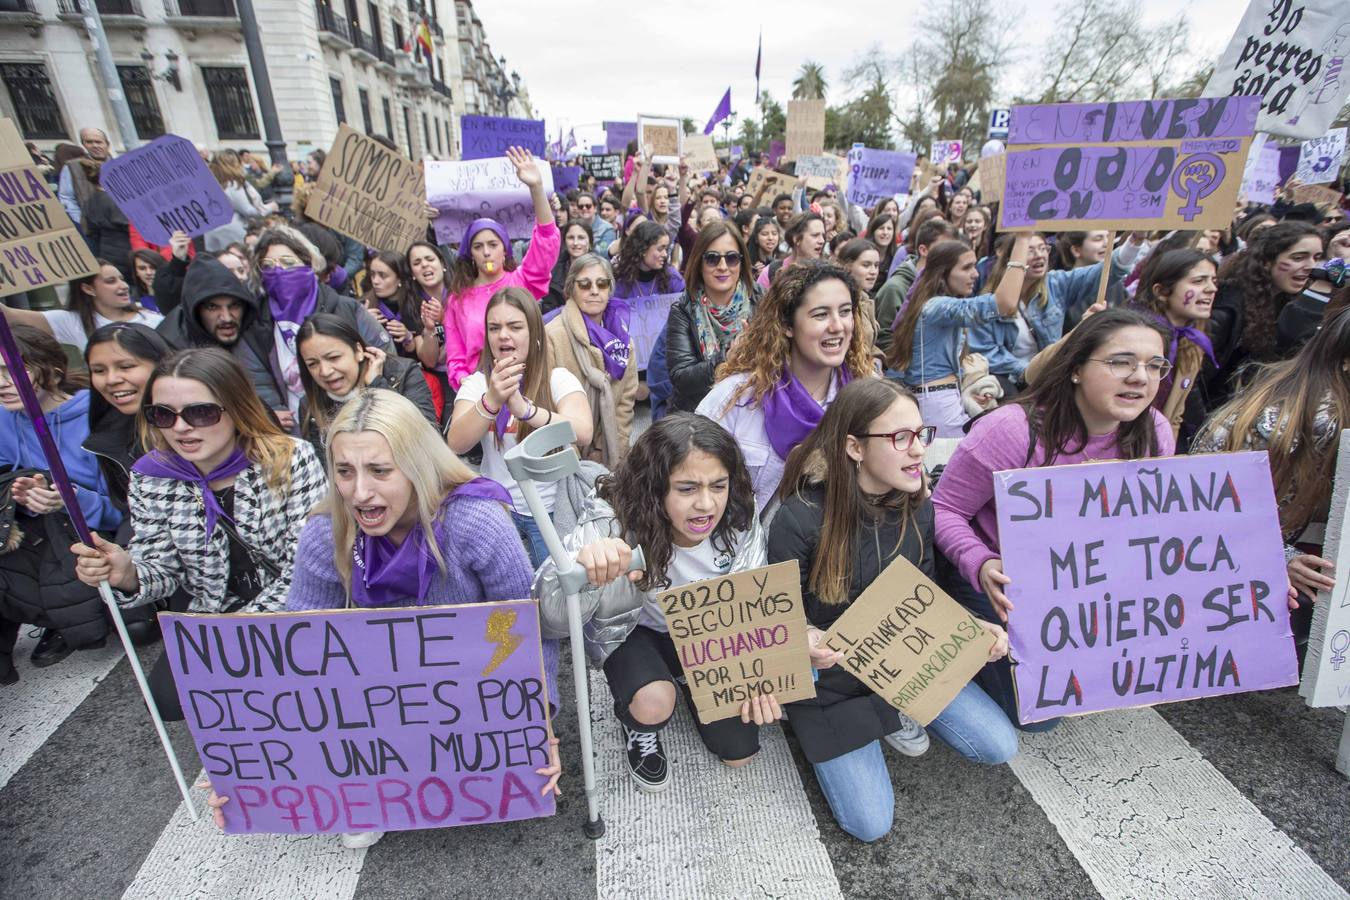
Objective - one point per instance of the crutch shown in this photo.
(534, 459)
(19, 375)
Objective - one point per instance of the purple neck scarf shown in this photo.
(387, 312)
(791, 413)
(159, 464)
(292, 294)
(1194, 335)
(385, 575)
(610, 337)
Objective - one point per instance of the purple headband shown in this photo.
(478, 225)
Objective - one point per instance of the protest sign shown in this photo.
(367, 719)
(566, 178)
(877, 175)
(39, 245)
(487, 136)
(948, 151)
(805, 134)
(603, 167)
(1320, 159)
(740, 636)
(911, 643)
(765, 184)
(163, 187)
(700, 152)
(1290, 54)
(1261, 175)
(369, 193)
(1316, 193)
(1143, 582)
(992, 172)
(619, 134)
(647, 323)
(822, 170)
(737, 151)
(776, 151)
(661, 138)
(1146, 165)
(1326, 669)
(481, 188)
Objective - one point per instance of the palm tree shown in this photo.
(810, 84)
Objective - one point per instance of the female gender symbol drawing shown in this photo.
(1195, 178)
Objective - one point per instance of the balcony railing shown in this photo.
(363, 42)
(332, 23)
(441, 88)
(216, 9)
(385, 53)
(105, 7)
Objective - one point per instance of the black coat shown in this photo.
(845, 714)
(108, 232)
(691, 373)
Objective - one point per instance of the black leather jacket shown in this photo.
(691, 373)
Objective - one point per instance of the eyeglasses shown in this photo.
(1123, 367)
(585, 283)
(285, 262)
(197, 415)
(903, 439)
(585, 206)
(732, 258)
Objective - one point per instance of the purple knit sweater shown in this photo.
(484, 560)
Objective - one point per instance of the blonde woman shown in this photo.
(244, 198)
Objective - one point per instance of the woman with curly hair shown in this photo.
(643, 268)
(683, 494)
(798, 349)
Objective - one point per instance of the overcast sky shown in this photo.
(586, 61)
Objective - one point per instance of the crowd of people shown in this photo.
(273, 417)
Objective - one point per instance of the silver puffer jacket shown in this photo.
(610, 613)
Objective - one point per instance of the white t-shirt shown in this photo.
(1025, 345)
(687, 565)
(562, 383)
(67, 328)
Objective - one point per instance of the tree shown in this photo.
(687, 124)
(866, 119)
(748, 135)
(810, 83)
(963, 47)
(773, 118)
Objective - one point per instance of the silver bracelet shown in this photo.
(482, 411)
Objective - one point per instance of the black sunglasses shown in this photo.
(198, 415)
(712, 258)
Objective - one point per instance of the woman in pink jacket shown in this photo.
(486, 265)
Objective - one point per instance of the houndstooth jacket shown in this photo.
(171, 551)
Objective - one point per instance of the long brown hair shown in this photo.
(537, 386)
(1165, 271)
(48, 362)
(693, 265)
(227, 168)
(823, 459)
(932, 282)
(1249, 271)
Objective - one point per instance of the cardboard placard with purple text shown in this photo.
(163, 187)
(647, 323)
(367, 719)
(1145, 165)
(487, 136)
(1143, 581)
(482, 188)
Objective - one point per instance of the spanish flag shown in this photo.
(424, 37)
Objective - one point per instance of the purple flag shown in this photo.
(723, 110)
(759, 57)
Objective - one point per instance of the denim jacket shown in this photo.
(940, 333)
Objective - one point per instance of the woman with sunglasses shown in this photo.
(855, 498)
(589, 338)
(1093, 402)
(217, 505)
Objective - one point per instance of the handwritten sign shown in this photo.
(481, 188)
(877, 175)
(1261, 175)
(566, 178)
(1320, 159)
(823, 170)
(948, 151)
(367, 720)
(369, 193)
(163, 187)
(647, 323)
(603, 167)
(1141, 165)
(1291, 55)
(39, 245)
(701, 153)
(618, 135)
(662, 138)
(910, 642)
(992, 171)
(488, 136)
(805, 134)
(765, 184)
(1316, 193)
(741, 636)
(1143, 582)
(1326, 669)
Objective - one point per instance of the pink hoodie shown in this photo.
(464, 332)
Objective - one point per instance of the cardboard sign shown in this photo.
(993, 171)
(482, 188)
(39, 245)
(877, 175)
(648, 322)
(1316, 193)
(805, 129)
(163, 187)
(369, 193)
(566, 178)
(765, 184)
(619, 134)
(822, 170)
(367, 719)
(603, 167)
(1143, 582)
(1126, 166)
(488, 136)
(662, 138)
(740, 636)
(700, 153)
(1320, 159)
(911, 643)
(948, 151)
(1291, 55)
(1261, 176)
(1326, 668)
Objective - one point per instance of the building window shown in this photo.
(440, 144)
(426, 134)
(33, 101)
(231, 103)
(398, 37)
(140, 91)
(388, 118)
(339, 109)
(364, 96)
(376, 32)
(408, 131)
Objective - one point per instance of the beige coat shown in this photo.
(611, 402)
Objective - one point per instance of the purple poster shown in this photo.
(367, 720)
(566, 178)
(1143, 582)
(618, 135)
(165, 187)
(486, 136)
(598, 149)
(1140, 120)
(647, 323)
(776, 151)
(877, 175)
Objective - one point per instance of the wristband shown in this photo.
(1013, 264)
(487, 409)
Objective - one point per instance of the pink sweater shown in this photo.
(965, 520)
(464, 313)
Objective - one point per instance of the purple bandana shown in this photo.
(791, 413)
(384, 574)
(610, 337)
(388, 313)
(1194, 335)
(292, 294)
(159, 464)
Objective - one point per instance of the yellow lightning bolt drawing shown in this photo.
(499, 626)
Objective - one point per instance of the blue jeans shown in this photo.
(858, 787)
(531, 537)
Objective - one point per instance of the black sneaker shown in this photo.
(51, 649)
(647, 760)
(10, 677)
